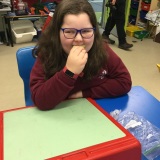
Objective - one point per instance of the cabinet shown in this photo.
(139, 9)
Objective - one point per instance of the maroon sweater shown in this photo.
(112, 81)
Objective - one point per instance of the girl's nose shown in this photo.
(78, 37)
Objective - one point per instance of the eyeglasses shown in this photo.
(71, 33)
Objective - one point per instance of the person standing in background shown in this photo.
(116, 17)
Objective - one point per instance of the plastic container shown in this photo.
(21, 5)
(131, 29)
(147, 1)
(147, 134)
(132, 20)
(134, 4)
(141, 34)
(22, 31)
(143, 15)
(133, 12)
(23, 35)
(145, 6)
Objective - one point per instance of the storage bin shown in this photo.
(131, 29)
(132, 20)
(145, 6)
(134, 4)
(133, 12)
(23, 35)
(143, 15)
(146, 1)
(22, 31)
(141, 34)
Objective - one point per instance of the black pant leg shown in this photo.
(109, 24)
(120, 23)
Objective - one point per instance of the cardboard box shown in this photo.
(153, 29)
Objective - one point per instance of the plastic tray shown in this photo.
(131, 29)
(141, 34)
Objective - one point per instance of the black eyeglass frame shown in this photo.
(78, 31)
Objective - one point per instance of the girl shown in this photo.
(72, 60)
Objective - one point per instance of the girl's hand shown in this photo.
(77, 59)
(76, 95)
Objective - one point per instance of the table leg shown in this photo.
(5, 31)
(10, 31)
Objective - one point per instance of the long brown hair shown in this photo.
(49, 47)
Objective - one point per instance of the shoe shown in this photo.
(125, 46)
(107, 39)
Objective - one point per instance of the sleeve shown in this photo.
(117, 82)
(46, 94)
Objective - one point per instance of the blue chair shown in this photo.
(25, 61)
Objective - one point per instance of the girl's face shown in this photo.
(78, 22)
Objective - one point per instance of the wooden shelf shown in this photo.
(153, 6)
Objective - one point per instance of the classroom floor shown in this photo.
(141, 61)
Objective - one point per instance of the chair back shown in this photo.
(25, 62)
